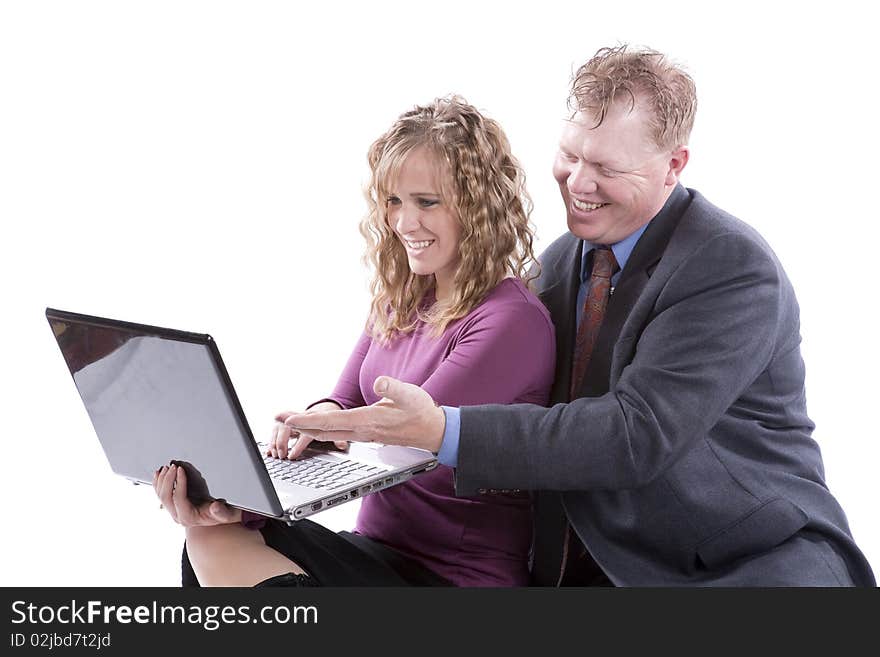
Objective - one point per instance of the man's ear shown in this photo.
(678, 160)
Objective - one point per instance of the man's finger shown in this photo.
(336, 436)
(350, 420)
(402, 394)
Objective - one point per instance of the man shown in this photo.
(677, 448)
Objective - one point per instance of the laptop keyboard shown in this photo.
(319, 473)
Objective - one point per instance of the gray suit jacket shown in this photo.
(687, 458)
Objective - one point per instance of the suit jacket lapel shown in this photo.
(561, 299)
(641, 264)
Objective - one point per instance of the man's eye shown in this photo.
(427, 202)
(392, 200)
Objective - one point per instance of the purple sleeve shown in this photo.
(347, 392)
(505, 355)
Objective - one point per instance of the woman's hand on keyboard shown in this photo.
(279, 442)
(169, 482)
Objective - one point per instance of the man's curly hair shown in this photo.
(641, 76)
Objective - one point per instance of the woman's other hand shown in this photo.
(279, 442)
(169, 482)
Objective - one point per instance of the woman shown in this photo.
(449, 240)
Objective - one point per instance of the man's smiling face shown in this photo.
(613, 178)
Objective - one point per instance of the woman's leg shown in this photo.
(232, 555)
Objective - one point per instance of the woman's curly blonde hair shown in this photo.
(484, 186)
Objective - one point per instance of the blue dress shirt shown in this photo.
(448, 454)
(621, 250)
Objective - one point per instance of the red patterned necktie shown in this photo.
(598, 291)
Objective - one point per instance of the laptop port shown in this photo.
(354, 493)
(337, 500)
(317, 506)
(389, 481)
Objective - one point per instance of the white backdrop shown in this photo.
(199, 165)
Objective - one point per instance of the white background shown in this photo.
(199, 165)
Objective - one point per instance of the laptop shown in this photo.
(157, 396)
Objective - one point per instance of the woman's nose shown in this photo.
(407, 220)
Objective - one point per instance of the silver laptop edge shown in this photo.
(145, 371)
(296, 510)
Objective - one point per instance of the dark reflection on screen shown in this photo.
(155, 396)
(83, 345)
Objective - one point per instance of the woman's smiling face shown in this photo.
(424, 221)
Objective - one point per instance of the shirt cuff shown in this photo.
(448, 454)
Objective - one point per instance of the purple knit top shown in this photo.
(502, 352)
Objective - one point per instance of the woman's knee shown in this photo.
(230, 555)
(216, 539)
(211, 549)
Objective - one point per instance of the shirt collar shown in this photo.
(622, 250)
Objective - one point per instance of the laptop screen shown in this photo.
(154, 398)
